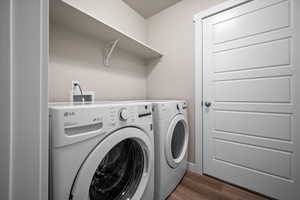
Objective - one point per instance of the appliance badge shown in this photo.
(68, 114)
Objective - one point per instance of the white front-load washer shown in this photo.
(171, 135)
(101, 151)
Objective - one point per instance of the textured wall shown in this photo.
(77, 57)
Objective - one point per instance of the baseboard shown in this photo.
(192, 167)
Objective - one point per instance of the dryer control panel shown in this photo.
(167, 109)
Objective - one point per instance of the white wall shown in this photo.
(117, 14)
(77, 57)
(5, 101)
(172, 32)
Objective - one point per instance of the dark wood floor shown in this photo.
(197, 187)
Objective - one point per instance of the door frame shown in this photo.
(24, 99)
(198, 67)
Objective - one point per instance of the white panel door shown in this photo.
(249, 93)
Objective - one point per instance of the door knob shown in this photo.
(207, 104)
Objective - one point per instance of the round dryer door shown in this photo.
(118, 168)
(176, 141)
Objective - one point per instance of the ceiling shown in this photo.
(148, 8)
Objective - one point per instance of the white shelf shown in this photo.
(64, 14)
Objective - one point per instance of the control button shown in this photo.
(178, 107)
(124, 114)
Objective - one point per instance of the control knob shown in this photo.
(124, 114)
(179, 107)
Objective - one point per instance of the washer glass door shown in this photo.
(177, 141)
(119, 173)
(118, 168)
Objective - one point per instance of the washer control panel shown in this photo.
(131, 113)
(144, 111)
(72, 123)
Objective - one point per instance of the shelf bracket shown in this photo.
(108, 50)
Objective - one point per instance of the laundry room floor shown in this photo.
(197, 187)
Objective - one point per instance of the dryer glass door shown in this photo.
(118, 168)
(177, 141)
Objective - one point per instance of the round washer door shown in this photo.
(118, 168)
(176, 141)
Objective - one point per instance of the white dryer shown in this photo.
(171, 135)
(101, 151)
